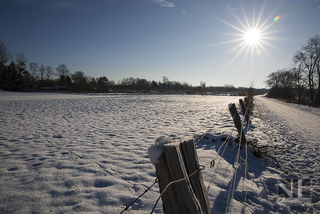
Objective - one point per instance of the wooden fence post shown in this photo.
(245, 111)
(237, 122)
(178, 161)
(246, 102)
(249, 104)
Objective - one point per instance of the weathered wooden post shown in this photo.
(237, 122)
(178, 161)
(249, 101)
(244, 110)
(192, 164)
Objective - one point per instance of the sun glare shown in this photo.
(252, 37)
(252, 34)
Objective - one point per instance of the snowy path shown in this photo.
(307, 124)
(291, 124)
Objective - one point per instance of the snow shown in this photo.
(160, 141)
(155, 151)
(69, 153)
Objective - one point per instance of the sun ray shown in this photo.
(274, 38)
(253, 15)
(260, 15)
(225, 42)
(234, 48)
(245, 17)
(246, 55)
(252, 33)
(231, 25)
(246, 25)
(262, 28)
(266, 43)
(235, 56)
(265, 50)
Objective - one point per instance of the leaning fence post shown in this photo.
(244, 110)
(178, 161)
(246, 102)
(237, 122)
(249, 104)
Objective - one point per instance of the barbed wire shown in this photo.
(212, 128)
(236, 166)
(246, 167)
(210, 162)
(213, 160)
(201, 167)
(128, 206)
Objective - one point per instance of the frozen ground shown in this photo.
(63, 153)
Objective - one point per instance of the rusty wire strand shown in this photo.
(127, 207)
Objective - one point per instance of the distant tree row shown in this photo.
(19, 75)
(301, 82)
(145, 85)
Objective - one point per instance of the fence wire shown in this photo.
(202, 167)
(128, 206)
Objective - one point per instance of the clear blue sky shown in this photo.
(185, 40)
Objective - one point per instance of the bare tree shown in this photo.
(286, 79)
(298, 82)
(42, 71)
(49, 72)
(5, 55)
(21, 65)
(34, 69)
(314, 47)
(103, 82)
(11, 75)
(78, 77)
(273, 80)
(80, 80)
(165, 80)
(281, 83)
(308, 60)
(62, 70)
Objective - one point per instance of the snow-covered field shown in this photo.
(65, 153)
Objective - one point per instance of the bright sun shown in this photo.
(252, 37)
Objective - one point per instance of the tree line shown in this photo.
(19, 75)
(301, 82)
